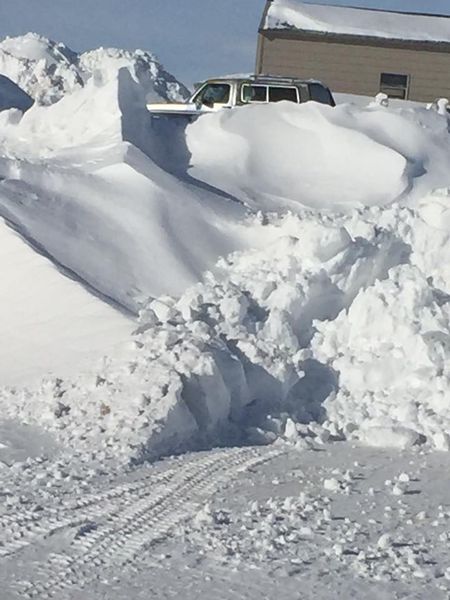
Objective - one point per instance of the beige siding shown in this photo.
(356, 69)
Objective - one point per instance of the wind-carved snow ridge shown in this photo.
(48, 71)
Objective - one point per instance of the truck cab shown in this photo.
(229, 92)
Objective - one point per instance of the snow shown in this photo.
(125, 210)
(294, 14)
(297, 304)
(48, 70)
(229, 523)
(237, 152)
(48, 322)
(267, 286)
(273, 332)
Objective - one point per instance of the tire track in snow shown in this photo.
(136, 525)
(21, 530)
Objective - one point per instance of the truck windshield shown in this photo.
(213, 93)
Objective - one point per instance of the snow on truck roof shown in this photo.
(293, 14)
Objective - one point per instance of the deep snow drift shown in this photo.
(328, 321)
(321, 157)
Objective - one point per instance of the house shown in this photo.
(357, 50)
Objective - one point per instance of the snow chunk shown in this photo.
(394, 375)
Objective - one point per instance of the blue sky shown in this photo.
(193, 38)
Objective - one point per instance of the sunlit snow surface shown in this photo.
(326, 245)
(48, 70)
(269, 284)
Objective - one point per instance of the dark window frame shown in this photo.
(260, 85)
(398, 90)
(284, 87)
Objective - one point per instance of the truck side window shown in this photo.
(277, 94)
(254, 93)
(214, 93)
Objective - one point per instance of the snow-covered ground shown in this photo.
(272, 281)
(331, 521)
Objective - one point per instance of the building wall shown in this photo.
(356, 69)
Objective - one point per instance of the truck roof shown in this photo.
(262, 78)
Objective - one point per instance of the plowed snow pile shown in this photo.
(253, 323)
(48, 70)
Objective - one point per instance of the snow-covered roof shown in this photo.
(294, 14)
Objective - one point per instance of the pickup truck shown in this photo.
(228, 92)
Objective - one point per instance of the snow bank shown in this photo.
(214, 365)
(156, 83)
(294, 14)
(48, 71)
(273, 156)
(76, 187)
(44, 69)
(392, 350)
(48, 321)
(332, 330)
(83, 190)
(327, 321)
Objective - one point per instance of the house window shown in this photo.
(394, 85)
